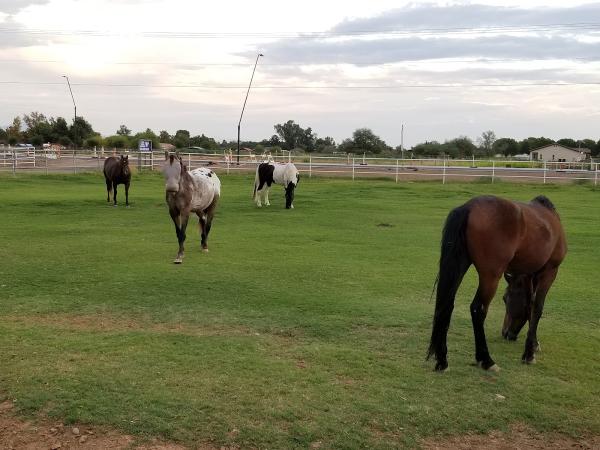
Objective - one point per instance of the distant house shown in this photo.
(167, 147)
(560, 153)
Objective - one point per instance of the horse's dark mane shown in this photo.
(544, 201)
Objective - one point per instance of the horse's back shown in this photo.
(206, 189)
(110, 165)
(507, 235)
(285, 173)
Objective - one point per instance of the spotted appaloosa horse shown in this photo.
(196, 191)
(116, 171)
(524, 241)
(268, 173)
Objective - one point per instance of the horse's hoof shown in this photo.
(493, 368)
(204, 250)
(178, 260)
(441, 367)
(115, 205)
(529, 360)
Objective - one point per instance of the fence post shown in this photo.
(227, 166)
(545, 168)
(396, 171)
(596, 176)
(74, 163)
(189, 161)
(34, 151)
(493, 170)
(309, 166)
(353, 168)
(152, 161)
(46, 158)
(444, 173)
(14, 162)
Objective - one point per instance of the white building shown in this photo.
(560, 153)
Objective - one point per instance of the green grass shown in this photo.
(299, 326)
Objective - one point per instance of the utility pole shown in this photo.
(244, 107)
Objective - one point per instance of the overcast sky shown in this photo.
(443, 69)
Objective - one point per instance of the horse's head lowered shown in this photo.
(289, 190)
(173, 169)
(517, 298)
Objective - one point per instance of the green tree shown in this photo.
(364, 140)
(532, 143)
(460, 147)
(14, 130)
(134, 140)
(116, 141)
(60, 131)
(123, 131)
(433, 148)
(182, 139)
(326, 144)
(486, 142)
(291, 136)
(3, 136)
(204, 142)
(80, 130)
(506, 146)
(567, 142)
(165, 137)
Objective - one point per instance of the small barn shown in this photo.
(560, 153)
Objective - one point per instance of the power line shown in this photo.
(389, 86)
(332, 63)
(577, 26)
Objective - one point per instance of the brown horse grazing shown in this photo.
(116, 171)
(526, 242)
(197, 191)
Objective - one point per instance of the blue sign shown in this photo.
(145, 145)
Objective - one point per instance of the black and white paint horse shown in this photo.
(268, 173)
(197, 191)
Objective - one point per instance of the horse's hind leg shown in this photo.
(488, 283)
(108, 189)
(544, 281)
(206, 224)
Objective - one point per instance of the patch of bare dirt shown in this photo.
(18, 434)
(519, 437)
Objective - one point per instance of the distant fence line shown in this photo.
(77, 161)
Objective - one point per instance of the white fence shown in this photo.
(444, 170)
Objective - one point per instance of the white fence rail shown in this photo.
(45, 161)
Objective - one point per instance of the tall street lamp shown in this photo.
(244, 107)
(74, 105)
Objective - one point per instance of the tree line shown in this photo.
(36, 129)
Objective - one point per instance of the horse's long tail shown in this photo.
(454, 263)
(256, 183)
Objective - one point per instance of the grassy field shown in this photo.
(299, 327)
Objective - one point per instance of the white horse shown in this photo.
(284, 174)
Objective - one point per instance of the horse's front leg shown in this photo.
(127, 194)
(114, 194)
(544, 281)
(488, 284)
(180, 222)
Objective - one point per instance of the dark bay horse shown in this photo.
(524, 241)
(196, 191)
(116, 171)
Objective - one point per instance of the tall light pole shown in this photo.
(244, 107)
(74, 105)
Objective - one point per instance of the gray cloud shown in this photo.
(551, 42)
(13, 6)
(468, 16)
